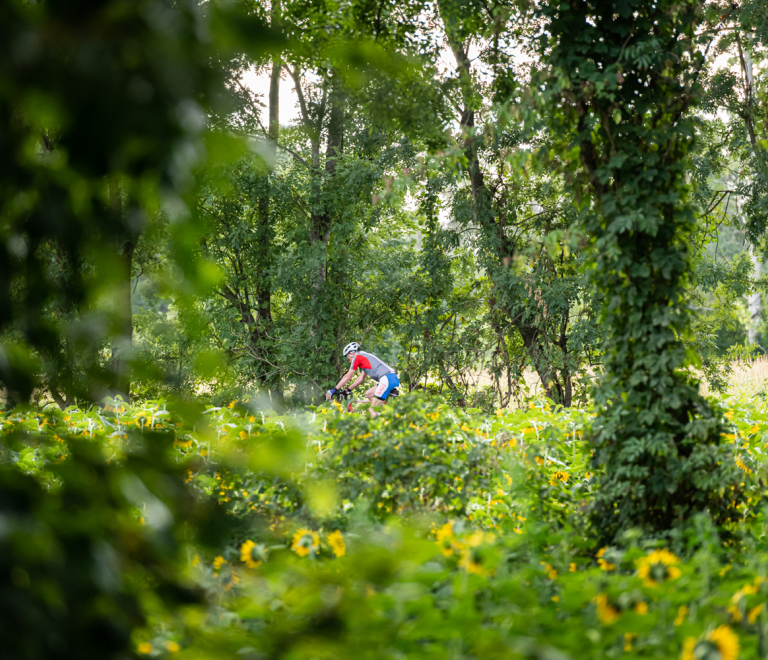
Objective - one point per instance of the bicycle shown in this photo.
(346, 393)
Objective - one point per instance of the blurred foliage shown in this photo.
(342, 536)
(104, 107)
(92, 544)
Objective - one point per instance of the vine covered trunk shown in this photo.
(625, 77)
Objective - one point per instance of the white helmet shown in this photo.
(352, 346)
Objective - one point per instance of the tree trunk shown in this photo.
(754, 299)
(122, 340)
(261, 338)
(320, 229)
(548, 375)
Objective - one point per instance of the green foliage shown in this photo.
(310, 562)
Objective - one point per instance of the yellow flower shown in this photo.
(755, 612)
(218, 563)
(628, 637)
(305, 542)
(231, 405)
(641, 607)
(605, 611)
(478, 538)
(606, 566)
(172, 647)
(336, 541)
(558, 476)
(572, 567)
(657, 566)
(726, 641)
(688, 645)
(681, 613)
(741, 465)
(145, 648)
(445, 532)
(470, 562)
(232, 579)
(246, 554)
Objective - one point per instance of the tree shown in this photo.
(622, 82)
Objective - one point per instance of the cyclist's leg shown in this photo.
(386, 385)
(376, 403)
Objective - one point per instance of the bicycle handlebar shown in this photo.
(343, 395)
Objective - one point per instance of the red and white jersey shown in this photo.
(371, 365)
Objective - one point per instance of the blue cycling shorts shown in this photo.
(387, 383)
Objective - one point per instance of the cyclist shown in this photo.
(370, 366)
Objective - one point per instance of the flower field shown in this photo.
(430, 532)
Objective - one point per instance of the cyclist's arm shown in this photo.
(345, 379)
(359, 381)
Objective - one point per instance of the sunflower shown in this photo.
(688, 646)
(230, 578)
(657, 566)
(721, 642)
(305, 542)
(477, 538)
(559, 476)
(444, 533)
(726, 641)
(681, 614)
(604, 565)
(336, 541)
(605, 611)
(251, 554)
(471, 561)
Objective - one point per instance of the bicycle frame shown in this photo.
(345, 394)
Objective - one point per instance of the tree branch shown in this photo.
(255, 105)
